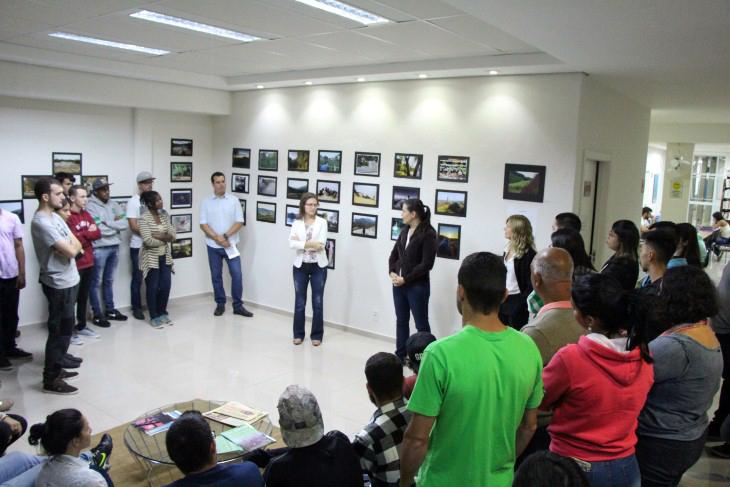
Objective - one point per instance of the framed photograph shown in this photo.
(14, 206)
(292, 212)
(364, 225)
(239, 183)
(268, 160)
(364, 194)
(329, 161)
(328, 191)
(267, 186)
(454, 169)
(182, 223)
(408, 166)
(181, 198)
(330, 247)
(182, 248)
(524, 182)
(121, 201)
(243, 209)
(241, 158)
(298, 160)
(332, 217)
(451, 203)
(68, 162)
(403, 193)
(449, 241)
(367, 164)
(181, 172)
(396, 225)
(265, 212)
(88, 181)
(295, 188)
(27, 186)
(181, 147)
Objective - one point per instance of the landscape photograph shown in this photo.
(181, 147)
(298, 160)
(328, 191)
(449, 241)
(367, 164)
(295, 188)
(403, 193)
(268, 160)
(266, 212)
(364, 194)
(524, 182)
(68, 162)
(408, 166)
(182, 248)
(332, 217)
(241, 158)
(364, 225)
(329, 161)
(14, 206)
(452, 203)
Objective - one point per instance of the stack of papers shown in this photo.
(235, 414)
(247, 438)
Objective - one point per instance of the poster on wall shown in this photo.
(328, 191)
(396, 225)
(676, 187)
(181, 172)
(449, 241)
(89, 181)
(364, 194)
(182, 223)
(268, 160)
(453, 169)
(364, 225)
(524, 182)
(181, 147)
(329, 161)
(367, 164)
(239, 183)
(122, 202)
(242, 158)
(14, 206)
(408, 166)
(182, 248)
(267, 186)
(332, 217)
(298, 160)
(181, 198)
(295, 188)
(68, 162)
(292, 212)
(403, 193)
(27, 185)
(450, 203)
(266, 212)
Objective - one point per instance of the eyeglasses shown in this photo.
(312, 204)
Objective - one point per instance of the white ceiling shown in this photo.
(671, 55)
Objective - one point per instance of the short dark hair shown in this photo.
(689, 296)
(148, 198)
(663, 241)
(43, 186)
(484, 278)
(568, 220)
(188, 442)
(303, 201)
(60, 176)
(384, 372)
(646, 209)
(548, 469)
(215, 175)
(718, 216)
(75, 189)
(57, 432)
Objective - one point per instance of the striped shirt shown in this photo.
(152, 248)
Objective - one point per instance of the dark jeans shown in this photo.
(82, 300)
(723, 409)
(513, 312)
(135, 287)
(60, 326)
(7, 437)
(158, 282)
(9, 296)
(215, 262)
(663, 462)
(309, 272)
(105, 265)
(407, 299)
(623, 472)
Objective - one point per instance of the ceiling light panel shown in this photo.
(192, 25)
(106, 43)
(345, 10)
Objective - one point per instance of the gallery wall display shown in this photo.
(268, 160)
(182, 248)
(524, 182)
(330, 248)
(27, 185)
(182, 223)
(239, 183)
(298, 160)
(329, 161)
(89, 181)
(453, 169)
(364, 225)
(181, 172)
(408, 166)
(451, 203)
(121, 201)
(241, 158)
(181, 198)
(14, 206)
(68, 162)
(267, 186)
(403, 193)
(181, 147)
(367, 164)
(292, 212)
(295, 188)
(396, 225)
(332, 217)
(449, 238)
(243, 209)
(364, 194)
(328, 191)
(265, 212)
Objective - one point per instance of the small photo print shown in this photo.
(451, 203)
(367, 164)
(267, 186)
(295, 188)
(89, 181)
(396, 225)
(268, 160)
(122, 202)
(182, 248)
(68, 162)
(27, 186)
(453, 169)
(241, 158)
(332, 217)
(330, 248)
(181, 172)
(403, 193)
(364, 225)
(328, 191)
(408, 166)
(243, 209)
(266, 212)
(14, 206)
(364, 194)
(182, 223)
(298, 160)
(292, 212)
(239, 183)
(329, 161)
(524, 182)
(181, 147)
(181, 198)
(449, 241)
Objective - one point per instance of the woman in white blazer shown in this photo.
(308, 237)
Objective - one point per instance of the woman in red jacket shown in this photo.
(598, 386)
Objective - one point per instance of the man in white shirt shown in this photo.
(221, 218)
(145, 180)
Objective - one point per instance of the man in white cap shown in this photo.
(145, 180)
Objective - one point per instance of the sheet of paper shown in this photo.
(224, 445)
(232, 252)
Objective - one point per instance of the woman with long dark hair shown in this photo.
(623, 265)
(410, 263)
(687, 247)
(572, 242)
(518, 255)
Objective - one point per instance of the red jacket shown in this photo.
(596, 390)
(79, 224)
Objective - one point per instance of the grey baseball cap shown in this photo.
(100, 183)
(145, 176)
(300, 419)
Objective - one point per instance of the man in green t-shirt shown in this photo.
(475, 402)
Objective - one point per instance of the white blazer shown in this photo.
(319, 234)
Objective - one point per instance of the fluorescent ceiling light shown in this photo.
(493, 72)
(361, 80)
(259, 87)
(423, 76)
(105, 43)
(308, 83)
(192, 25)
(345, 10)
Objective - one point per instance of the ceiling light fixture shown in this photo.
(105, 43)
(493, 72)
(192, 25)
(345, 10)
(423, 76)
(360, 80)
(308, 83)
(259, 87)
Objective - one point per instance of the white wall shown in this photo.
(655, 159)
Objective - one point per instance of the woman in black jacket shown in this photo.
(517, 258)
(410, 262)
(623, 265)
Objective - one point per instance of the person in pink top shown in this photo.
(598, 386)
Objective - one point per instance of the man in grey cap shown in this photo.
(110, 219)
(145, 180)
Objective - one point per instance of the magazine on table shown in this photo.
(235, 414)
(157, 423)
(248, 437)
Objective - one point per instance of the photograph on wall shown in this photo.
(329, 161)
(268, 160)
(239, 183)
(267, 186)
(295, 188)
(243, 209)
(181, 172)
(451, 203)
(332, 217)
(122, 202)
(367, 164)
(328, 191)
(241, 158)
(454, 169)
(524, 182)
(364, 225)
(330, 249)
(292, 212)
(181, 147)
(182, 248)
(181, 198)
(27, 186)
(89, 181)
(298, 160)
(14, 206)
(403, 193)
(265, 212)
(449, 241)
(364, 194)
(396, 225)
(68, 162)
(182, 223)
(408, 166)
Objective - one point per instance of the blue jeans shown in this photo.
(309, 272)
(410, 298)
(158, 283)
(622, 472)
(105, 264)
(20, 469)
(215, 262)
(135, 287)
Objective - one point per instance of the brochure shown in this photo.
(234, 414)
(156, 424)
(248, 437)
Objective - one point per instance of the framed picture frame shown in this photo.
(367, 164)
(181, 147)
(182, 248)
(182, 222)
(243, 209)
(121, 201)
(14, 206)
(396, 225)
(450, 203)
(408, 166)
(292, 212)
(68, 162)
(27, 185)
(266, 186)
(449, 241)
(329, 161)
(298, 160)
(268, 160)
(239, 183)
(332, 217)
(295, 188)
(265, 212)
(403, 193)
(241, 158)
(331, 247)
(453, 169)
(181, 198)
(524, 182)
(181, 172)
(365, 194)
(328, 191)
(88, 181)
(364, 225)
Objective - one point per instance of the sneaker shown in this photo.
(76, 340)
(6, 404)
(59, 386)
(85, 332)
(73, 358)
(243, 312)
(165, 320)
(219, 310)
(102, 451)
(101, 322)
(69, 364)
(156, 323)
(722, 451)
(5, 364)
(18, 353)
(66, 375)
(713, 431)
(115, 315)
(138, 314)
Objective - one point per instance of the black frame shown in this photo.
(286, 214)
(178, 141)
(247, 185)
(436, 200)
(541, 170)
(393, 220)
(377, 194)
(258, 185)
(258, 204)
(288, 166)
(458, 250)
(339, 190)
(85, 178)
(243, 209)
(172, 218)
(395, 165)
(352, 221)
(172, 163)
(276, 152)
(233, 158)
(31, 195)
(287, 188)
(443, 159)
(181, 190)
(319, 155)
(121, 199)
(392, 196)
(330, 228)
(53, 163)
(331, 262)
(178, 240)
(22, 208)
(367, 154)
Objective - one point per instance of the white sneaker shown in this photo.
(76, 340)
(86, 332)
(166, 320)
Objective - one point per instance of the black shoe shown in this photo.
(69, 364)
(115, 315)
(18, 353)
(101, 322)
(73, 358)
(713, 432)
(243, 312)
(102, 451)
(66, 375)
(219, 310)
(722, 451)
(138, 314)
(5, 364)
(59, 386)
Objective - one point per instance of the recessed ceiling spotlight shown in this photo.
(493, 72)
(308, 83)
(423, 76)
(345, 10)
(259, 87)
(360, 80)
(105, 43)
(192, 25)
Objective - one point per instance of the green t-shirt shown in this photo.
(478, 385)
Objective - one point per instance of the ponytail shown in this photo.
(57, 432)
(422, 211)
(639, 310)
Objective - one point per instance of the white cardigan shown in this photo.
(319, 234)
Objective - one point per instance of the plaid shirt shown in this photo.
(378, 444)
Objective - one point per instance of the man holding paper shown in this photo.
(220, 219)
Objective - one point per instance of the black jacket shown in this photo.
(624, 269)
(414, 262)
(522, 271)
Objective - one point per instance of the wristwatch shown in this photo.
(225, 235)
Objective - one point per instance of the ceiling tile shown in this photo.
(423, 9)
(95, 7)
(12, 26)
(477, 31)
(426, 38)
(362, 48)
(43, 41)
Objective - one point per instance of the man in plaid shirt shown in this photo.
(378, 444)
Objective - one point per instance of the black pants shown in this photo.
(82, 300)
(723, 409)
(60, 327)
(513, 312)
(663, 462)
(9, 296)
(540, 442)
(7, 437)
